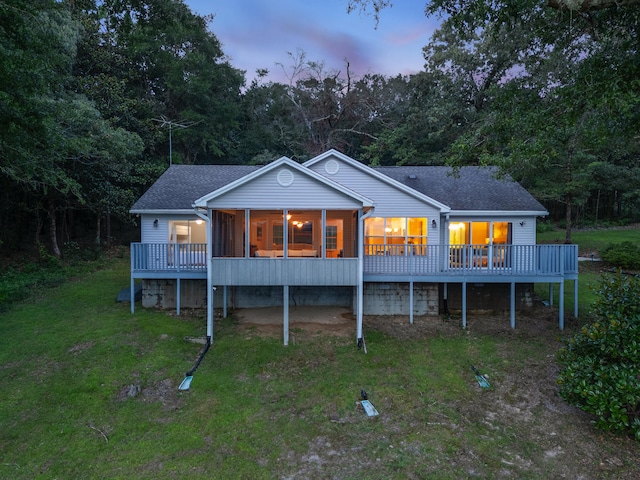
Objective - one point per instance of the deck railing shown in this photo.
(169, 257)
(543, 260)
(477, 259)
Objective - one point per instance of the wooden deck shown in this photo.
(425, 263)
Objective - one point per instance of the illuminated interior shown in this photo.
(395, 236)
(187, 231)
(480, 233)
(303, 233)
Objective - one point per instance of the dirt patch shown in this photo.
(164, 391)
(341, 322)
(304, 322)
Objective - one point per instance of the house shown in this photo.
(333, 231)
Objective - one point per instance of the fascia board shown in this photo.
(370, 171)
(161, 212)
(498, 213)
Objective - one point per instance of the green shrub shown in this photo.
(542, 227)
(622, 255)
(600, 365)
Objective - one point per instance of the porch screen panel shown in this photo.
(222, 234)
(304, 233)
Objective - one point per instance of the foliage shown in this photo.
(623, 255)
(601, 364)
(319, 109)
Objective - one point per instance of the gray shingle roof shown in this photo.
(474, 188)
(181, 185)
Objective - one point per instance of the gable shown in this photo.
(283, 184)
(391, 198)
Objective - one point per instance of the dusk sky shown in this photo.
(259, 33)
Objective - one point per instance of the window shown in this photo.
(278, 235)
(396, 236)
(187, 231)
(336, 239)
(480, 233)
(332, 237)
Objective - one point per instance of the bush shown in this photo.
(622, 255)
(600, 365)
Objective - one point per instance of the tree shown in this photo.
(146, 59)
(462, 8)
(320, 108)
(538, 91)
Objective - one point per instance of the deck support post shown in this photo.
(512, 306)
(133, 295)
(411, 302)
(178, 295)
(575, 298)
(133, 290)
(224, 301)
(561, 305)
(445, 291)
(464, 304)
(285, 312)
(360, 285)
(551, 294)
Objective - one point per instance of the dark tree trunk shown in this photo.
(53, 229)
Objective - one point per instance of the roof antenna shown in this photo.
(171, 123)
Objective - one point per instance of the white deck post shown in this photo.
(178, 295)
(210, 288)
(464, 304)
(575, 298)
(133, 288)
(561, 305)
(411, 302)
(285, 311)
(512, 306)
(224, 300)
(359, 287)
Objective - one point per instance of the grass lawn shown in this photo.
(592, 240)
(90, 391)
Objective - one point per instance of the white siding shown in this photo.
(159, 234)
(265, 192)
(151, 234)
(524, 234)
(389, 200)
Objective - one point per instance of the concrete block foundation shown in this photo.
(394, 299)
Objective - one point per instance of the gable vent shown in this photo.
(331, 167)
(285, 178)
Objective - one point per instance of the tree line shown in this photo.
(92, 91)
